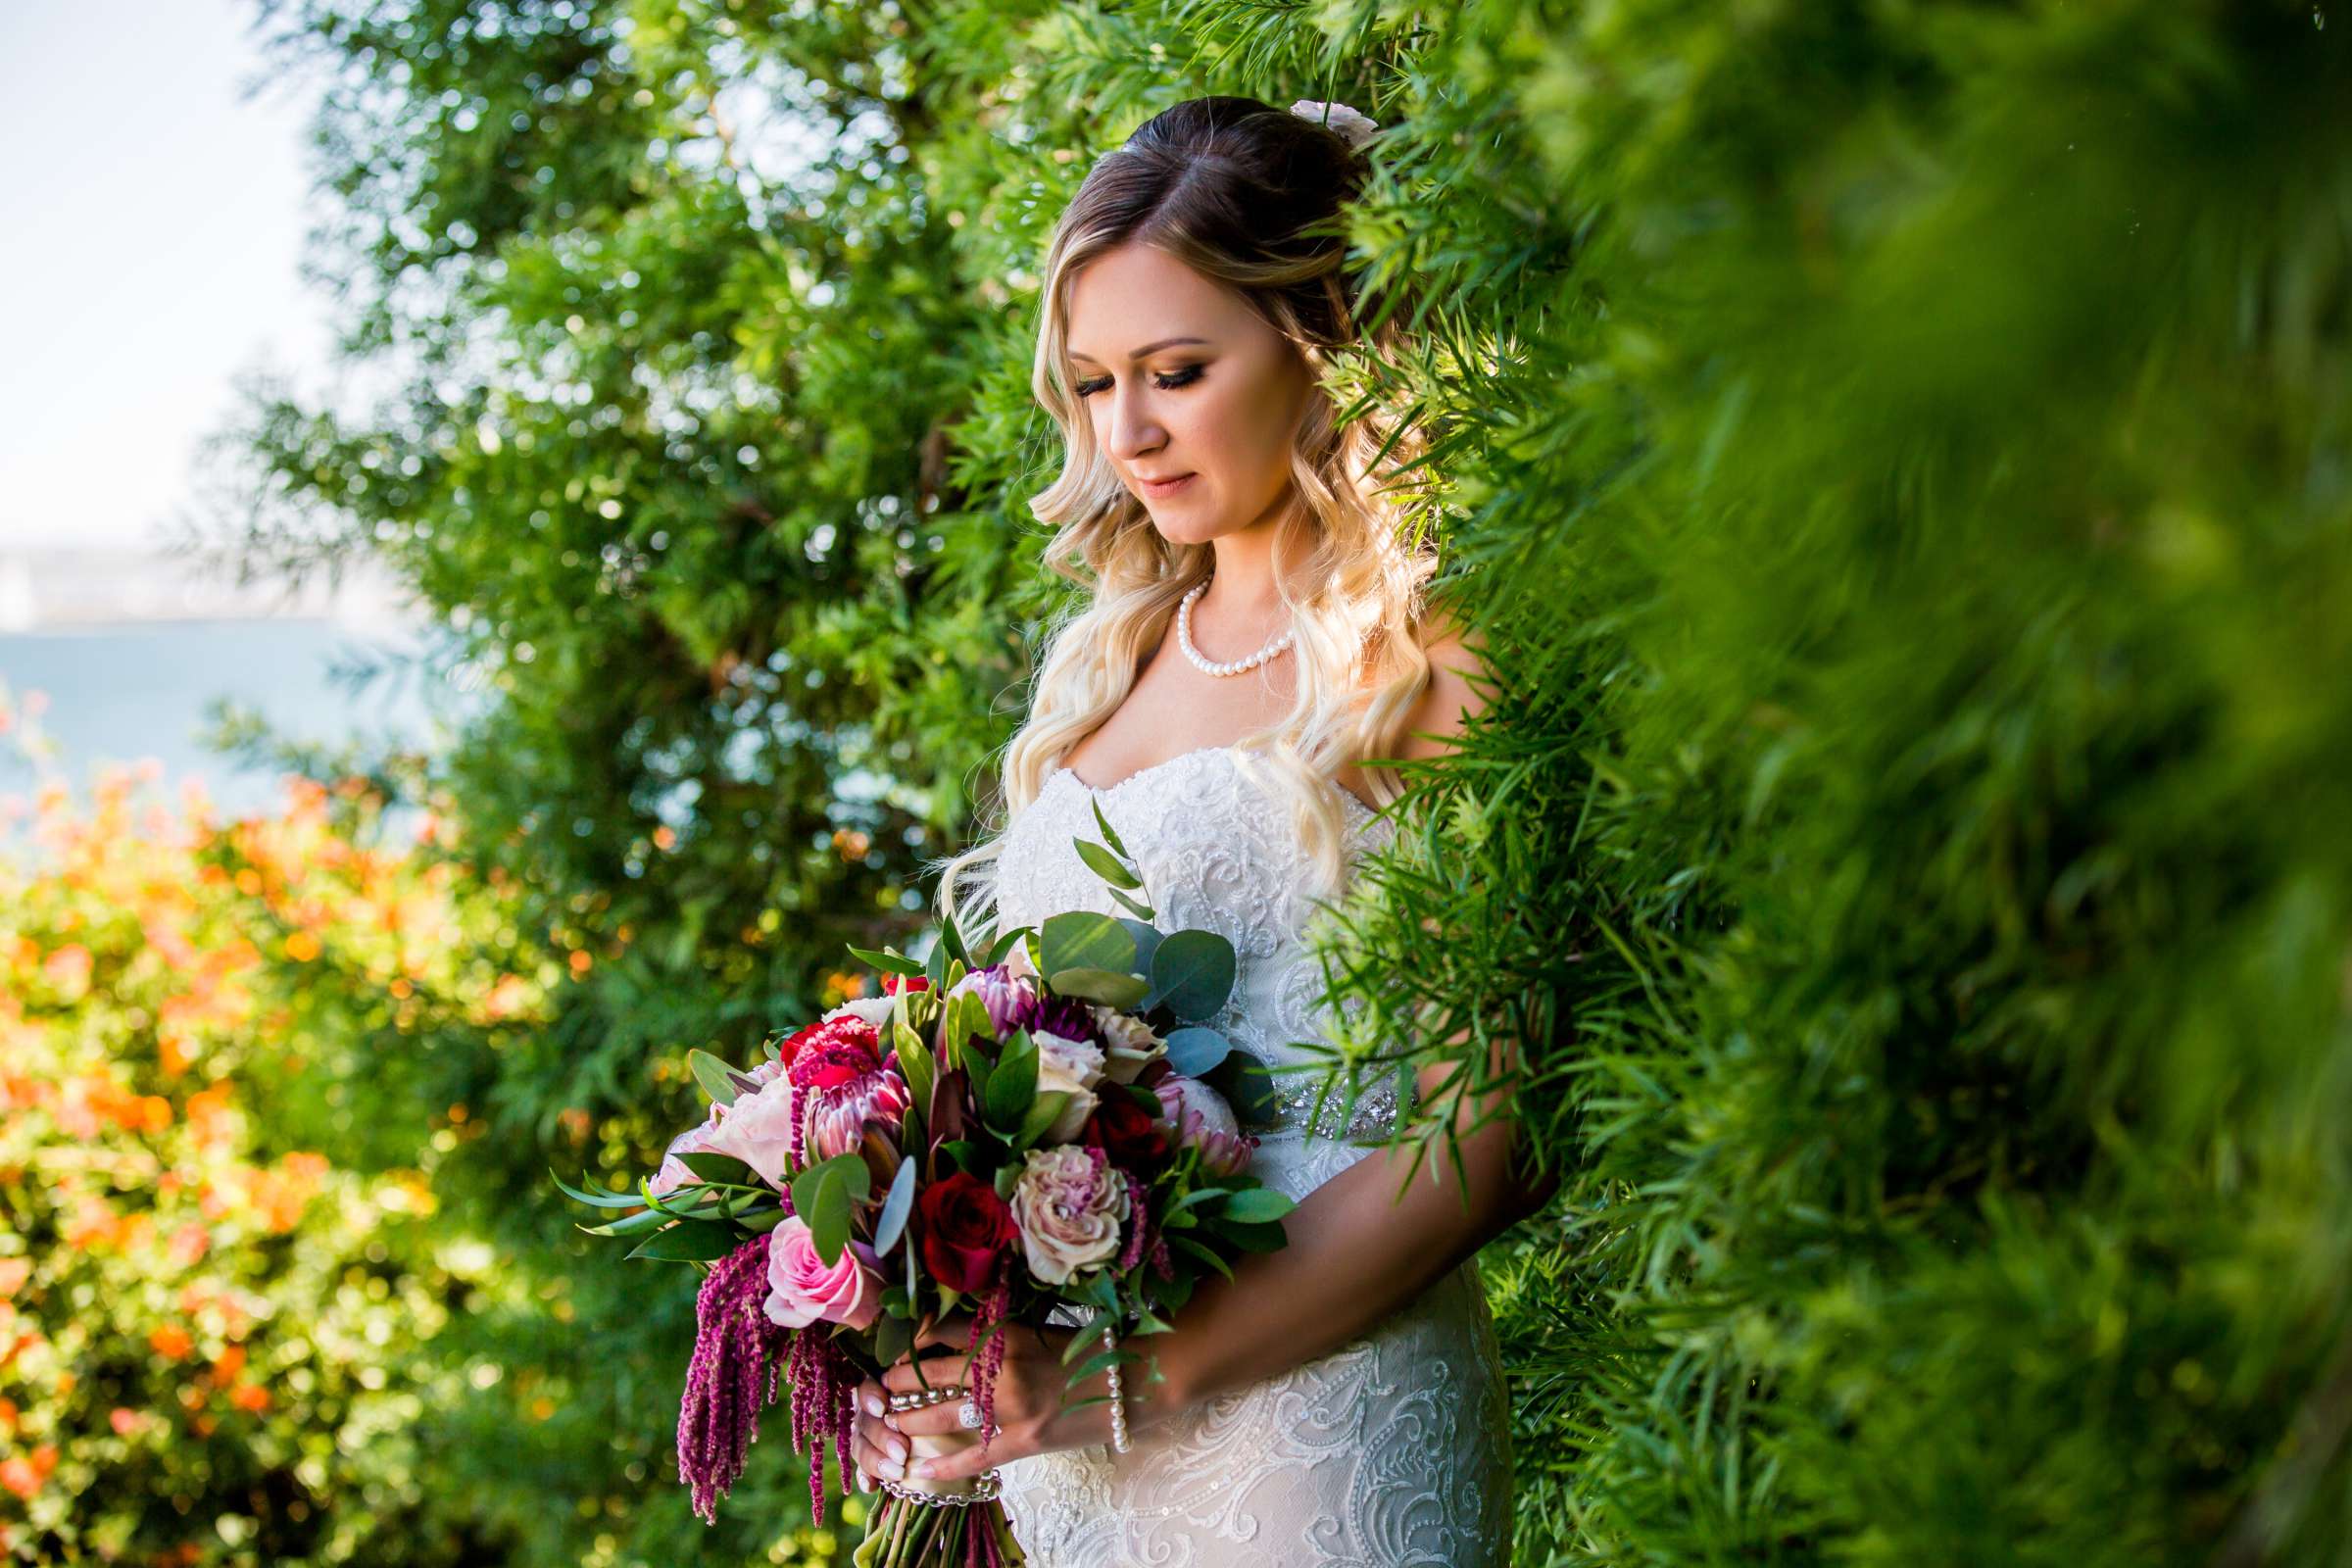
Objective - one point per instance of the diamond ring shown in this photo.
(969, 1415)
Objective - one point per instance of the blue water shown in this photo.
(118, 694)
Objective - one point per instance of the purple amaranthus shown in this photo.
(738, 1365)
(824, 1405)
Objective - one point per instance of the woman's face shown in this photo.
(1215, 394)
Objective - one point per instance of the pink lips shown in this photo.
(1155, 489)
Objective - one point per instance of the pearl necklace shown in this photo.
(1184, 640)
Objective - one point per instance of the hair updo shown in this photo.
(1254, 199)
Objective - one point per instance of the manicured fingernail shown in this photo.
(874, 1404)
(891, 1420)
(899, 1450)
(922, 1472)
(897, 1466)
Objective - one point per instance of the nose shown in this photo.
(1133, 430)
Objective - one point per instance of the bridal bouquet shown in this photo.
(1033, 1120)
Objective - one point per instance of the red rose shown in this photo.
(967, 1228)
(1133, 1138)
(893, 984)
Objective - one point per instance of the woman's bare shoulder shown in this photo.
(1456, 652)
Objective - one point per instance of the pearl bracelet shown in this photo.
(1119, 1409)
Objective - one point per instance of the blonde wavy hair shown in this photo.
(1248, 196)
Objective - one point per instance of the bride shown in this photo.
(1257, 630)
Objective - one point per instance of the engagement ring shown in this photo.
(969, 1416)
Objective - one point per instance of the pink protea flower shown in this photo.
(1003, 992)
(1204, 1121)
(845, 1090)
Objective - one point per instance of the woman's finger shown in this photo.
(967, 1462)
(881, 1438)
(931, 1420)
(871, 1462)
(956, 1329)
(937, 1372)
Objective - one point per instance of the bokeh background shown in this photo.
(1900, 452)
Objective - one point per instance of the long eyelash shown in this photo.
(1166, 384)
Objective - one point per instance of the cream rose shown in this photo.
(1128, 1042)
(1072, 1067)
(757, 1129)
(1068, 1204)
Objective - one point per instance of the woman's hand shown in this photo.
(1029, 1403)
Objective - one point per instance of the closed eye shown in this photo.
(1166, 384)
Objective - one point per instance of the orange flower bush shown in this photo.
(239, 1323)
(206, 1329)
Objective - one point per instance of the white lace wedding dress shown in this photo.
(1392, 1450)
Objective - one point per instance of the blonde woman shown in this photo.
(1255, 631)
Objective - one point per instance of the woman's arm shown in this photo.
(1359, 1249)
(1373, 1238)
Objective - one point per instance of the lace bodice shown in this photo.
(1392, 1450)
(1246, 881)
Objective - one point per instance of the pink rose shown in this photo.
(804, 1289)
(1204, 1121)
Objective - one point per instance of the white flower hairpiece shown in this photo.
(1337, 117)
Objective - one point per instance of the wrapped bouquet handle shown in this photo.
(956, 1493)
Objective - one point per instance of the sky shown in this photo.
(155, 228)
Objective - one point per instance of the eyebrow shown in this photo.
(1149, 348)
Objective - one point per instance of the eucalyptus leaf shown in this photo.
(1110, 989)
(1147, 939)
(715, 1077)
(1083, 940)
(894, 1207)
(1196, 1048)
(1247, 1088)
(1192, 973)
